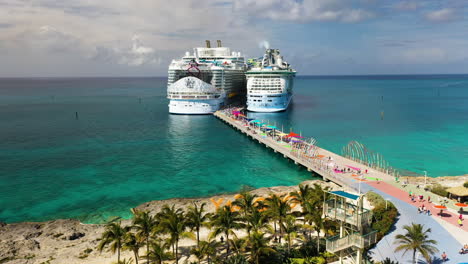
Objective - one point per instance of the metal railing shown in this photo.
(335, 244)
(347, 213)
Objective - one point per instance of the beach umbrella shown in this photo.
(272, 127)
(354, 168)
(440, 207)
(461, 205)
(292, 134)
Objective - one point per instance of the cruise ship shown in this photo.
(270, 83)
(207, 79)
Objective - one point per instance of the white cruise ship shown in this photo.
(270, 83)
(202, 82)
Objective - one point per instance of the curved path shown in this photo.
(409, 214)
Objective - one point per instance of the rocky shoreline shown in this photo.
(447, 181)
(69, 241)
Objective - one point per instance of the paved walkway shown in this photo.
(409, 214)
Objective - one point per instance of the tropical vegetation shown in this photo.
(275, 229)
(416, 239)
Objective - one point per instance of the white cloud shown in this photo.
(442, 15)
(304, 11)
(120, 33)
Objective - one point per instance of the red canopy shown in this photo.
(440, 207)
(292, 134)
(461, 205)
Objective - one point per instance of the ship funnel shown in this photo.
(208, 45)
(219, 43)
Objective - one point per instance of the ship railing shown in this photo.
(193, 96)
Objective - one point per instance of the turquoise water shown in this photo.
(125, 149)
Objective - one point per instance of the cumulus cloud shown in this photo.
(442, 15)
(114, 34)
(305, 11)
(138, 54)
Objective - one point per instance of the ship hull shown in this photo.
(278, 103)
(195, 107)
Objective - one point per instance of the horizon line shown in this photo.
(306, 75)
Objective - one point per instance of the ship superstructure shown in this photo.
(270, 83)
(202, 82)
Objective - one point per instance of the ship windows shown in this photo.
(270, 101)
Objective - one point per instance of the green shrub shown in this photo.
(439, 190)
(384, 214)
(465, 184)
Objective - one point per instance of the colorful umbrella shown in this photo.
(461, 205)
(354, 168)
(440, 207)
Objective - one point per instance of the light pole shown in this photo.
(425, 178)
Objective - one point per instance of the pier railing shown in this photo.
(311, 164)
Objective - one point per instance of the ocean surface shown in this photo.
(93, 148)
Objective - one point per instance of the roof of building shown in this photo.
(458, 191)
(346, 195)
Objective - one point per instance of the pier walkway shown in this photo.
(449, 235)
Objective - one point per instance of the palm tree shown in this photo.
(126, 261)
(236, 259)
(257, 221)
(201, 251)
(290, 228)
(211, 248)
(257, 245)
(132, 243)
(113, 236)
(225, 221)
(173, 222)
(196, 218)
(158, 251)
(246, 202)
(316, 218)
(302, 196)
(389, 261)
(278, 207)
(416, 239)
(144, 224)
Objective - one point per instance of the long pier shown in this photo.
(320, 167)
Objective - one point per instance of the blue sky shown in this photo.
(318, 37)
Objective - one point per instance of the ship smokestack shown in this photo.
(208, 45)
(219, 43)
